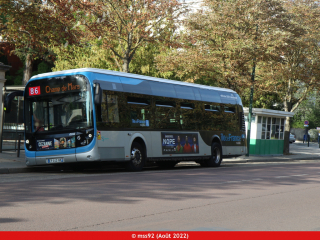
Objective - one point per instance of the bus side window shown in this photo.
(109, 107)
(140, 110)
(166, 114)
(231, 117)
(188, 119)
(212, 119)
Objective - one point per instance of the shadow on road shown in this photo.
(115, 185)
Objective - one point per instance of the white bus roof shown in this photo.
(129, 75)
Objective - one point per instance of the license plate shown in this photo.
(55, 160)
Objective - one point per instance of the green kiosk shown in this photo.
(267, 131)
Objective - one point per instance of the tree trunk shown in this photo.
(27, 69)
(286, 136)
(125, 65)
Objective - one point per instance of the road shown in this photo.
(234, 197)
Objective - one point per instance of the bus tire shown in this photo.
(216, 156)
(138, 158)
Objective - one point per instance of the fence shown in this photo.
(13, 124)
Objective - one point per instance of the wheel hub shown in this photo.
(216, 155)
(136, 156)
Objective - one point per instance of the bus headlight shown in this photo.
(27, 141)
(90, 135)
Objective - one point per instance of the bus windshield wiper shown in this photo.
(38, 128)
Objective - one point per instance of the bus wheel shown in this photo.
(216, 156)
(138, 157)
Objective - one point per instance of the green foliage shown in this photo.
(297, 124)
(16, 79)
(82, 56)
(222, 42)
(42, 67)
(93, 55)
(313, 134)
(143, 60)
(3, 18)
(32, 26)
(261, 100)
(309, 111)
(121, 27)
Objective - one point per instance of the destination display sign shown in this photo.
(34, 91)
(57, 85)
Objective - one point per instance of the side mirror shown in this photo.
(9, 98)
(97, 94)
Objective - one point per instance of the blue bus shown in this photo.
(87, 115)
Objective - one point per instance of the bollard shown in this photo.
(308, 139)
(19, 140)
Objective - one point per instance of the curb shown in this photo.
(35, 169)
(273, 160)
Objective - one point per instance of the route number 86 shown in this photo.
(34, 91)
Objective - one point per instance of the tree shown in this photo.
(121, 26)
(225, 38)
(309, 109)
(295, 74)
(221, 40)
(89, 55)
(31, 27)
(94, 56)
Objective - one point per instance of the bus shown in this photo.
(87, 115)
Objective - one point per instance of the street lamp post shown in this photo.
(251, 100)
(250, 116)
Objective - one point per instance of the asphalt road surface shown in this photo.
(234, 197)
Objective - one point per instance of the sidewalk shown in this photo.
(298, 151)
(10, 163)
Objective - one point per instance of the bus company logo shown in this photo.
(138, 121)
(141, 122)
(230, 137)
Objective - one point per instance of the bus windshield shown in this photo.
(51, 107)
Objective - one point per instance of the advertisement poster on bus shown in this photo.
(56, 143)
(179, 143)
